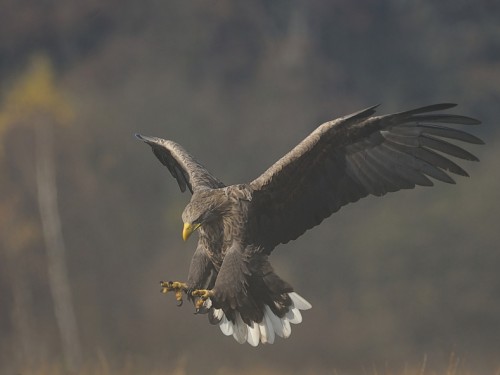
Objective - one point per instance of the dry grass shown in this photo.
(102, 367)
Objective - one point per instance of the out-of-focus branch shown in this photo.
(54, 245)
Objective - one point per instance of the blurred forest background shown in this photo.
(90, 220)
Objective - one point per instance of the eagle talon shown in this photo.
(203, 295)
(199, 304)
(174, 286)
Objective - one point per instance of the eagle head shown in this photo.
(204, 207)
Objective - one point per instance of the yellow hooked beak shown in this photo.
(188, 230)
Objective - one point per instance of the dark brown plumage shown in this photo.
(340, 162)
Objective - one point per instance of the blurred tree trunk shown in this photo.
(54, 244)
(26, 349)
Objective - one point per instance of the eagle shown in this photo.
(230, 277)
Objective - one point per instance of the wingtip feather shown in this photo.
(149, 140)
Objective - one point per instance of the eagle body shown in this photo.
(230, 277)
(228, 262)
(225, 221)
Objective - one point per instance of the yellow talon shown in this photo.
(199, 304)
(204, 294)
(177, 287)
(178, 295)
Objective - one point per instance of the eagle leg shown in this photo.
(177, 287)
(203, 295)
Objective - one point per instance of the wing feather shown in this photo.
(354, 156)
(182, 166)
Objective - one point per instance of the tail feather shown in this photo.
(225, 325)
(299, 301)
(294, 315)
(266, 330)
(253, 334)
(240, 329)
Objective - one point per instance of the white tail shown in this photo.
(270, 326)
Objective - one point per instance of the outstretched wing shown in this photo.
(183, 167)
(349, 158)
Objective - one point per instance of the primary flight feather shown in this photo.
(230, 277)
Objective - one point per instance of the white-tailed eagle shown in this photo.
(230, 277)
